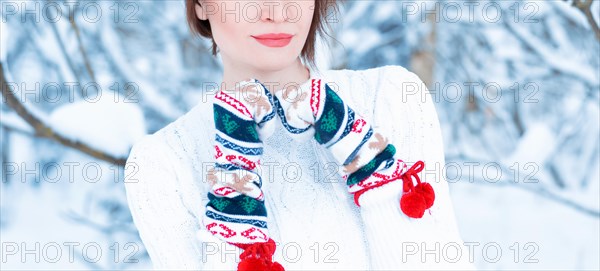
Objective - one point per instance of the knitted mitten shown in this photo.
(367, 159)
(236, 211)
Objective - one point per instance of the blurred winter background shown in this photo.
(516, 85)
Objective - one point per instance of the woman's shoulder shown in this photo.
(368, 83)
(148, 154)
(175, 135)
(385, 84)
(394, 96)
(150, 147)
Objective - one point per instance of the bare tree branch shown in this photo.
(86, 60)
(586, 7)
(63, 50)
(41, 129)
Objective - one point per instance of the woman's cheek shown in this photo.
(225, 34)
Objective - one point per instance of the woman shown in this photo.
(311, 216)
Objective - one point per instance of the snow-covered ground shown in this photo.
(513, 229)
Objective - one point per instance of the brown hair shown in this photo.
(202, 28)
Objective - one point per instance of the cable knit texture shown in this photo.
(312, 217)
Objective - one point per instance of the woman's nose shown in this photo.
(274, 11)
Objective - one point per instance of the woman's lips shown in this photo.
(274, 40)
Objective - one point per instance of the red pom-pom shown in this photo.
(253, 264)
(426, 191)
(413, 204)
(277, 267)
(257, 257)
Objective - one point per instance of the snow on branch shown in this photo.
(43, 130)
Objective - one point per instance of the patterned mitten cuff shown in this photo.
(236, 211)
(365, 155)
(394, 180)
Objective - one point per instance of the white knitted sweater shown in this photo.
(311, 215)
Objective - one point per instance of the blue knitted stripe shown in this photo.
(232, 146)
(220, 217)
(349, 124)
(284, 122)
(268, 117)
(357, 149)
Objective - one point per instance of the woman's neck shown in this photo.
(275, 80)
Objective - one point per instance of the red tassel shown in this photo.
(250, 264)
(257, 257)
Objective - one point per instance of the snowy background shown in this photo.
(516, 85)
